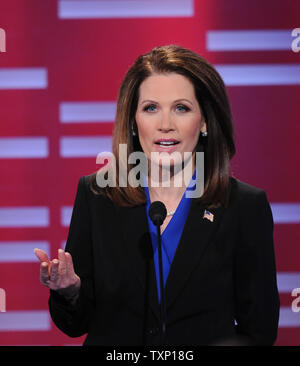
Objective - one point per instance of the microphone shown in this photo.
(157, 213)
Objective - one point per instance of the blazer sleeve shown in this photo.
(74, 319)
(256, 293)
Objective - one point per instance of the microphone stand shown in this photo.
(157, 213)
(162, 292)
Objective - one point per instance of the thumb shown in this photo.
(41, 255)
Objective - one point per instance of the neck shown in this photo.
(171, 183)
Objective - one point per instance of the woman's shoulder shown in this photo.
(242, 190)
(251, 203)
(89, 178)
(92, 189)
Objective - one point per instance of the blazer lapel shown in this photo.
(197, 234)
(139, 252)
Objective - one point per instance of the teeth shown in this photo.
(167, 143)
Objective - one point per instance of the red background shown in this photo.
(86, 60)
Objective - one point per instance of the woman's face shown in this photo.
(168, 115)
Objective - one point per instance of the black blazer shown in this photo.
(221, 287)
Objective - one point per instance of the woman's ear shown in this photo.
(203, 127)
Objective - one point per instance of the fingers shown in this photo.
(58, 272)
(54, 271)
(41, 255)
(62, 267)
(69, 263)
(58, 268)
(44, 273)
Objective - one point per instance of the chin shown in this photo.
(168, 164)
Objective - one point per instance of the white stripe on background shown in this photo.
(37, 320)
(24, 147)
(288, 281)
(288, 318)
(2, 40)
(248, 40)
(65, 215)
(258, 74)
(124, 8)
(23, 78)
(40, 320)
(74, 112)
(286, 213)
(77, 147)
(21, 251)
(24, 217)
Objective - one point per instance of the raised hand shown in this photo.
(59, 274)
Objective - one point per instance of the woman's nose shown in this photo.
(166, 123)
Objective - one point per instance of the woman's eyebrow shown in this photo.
(183, 99)
(175, 101)
(148, 101)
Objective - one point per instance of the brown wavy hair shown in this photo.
(210, 91)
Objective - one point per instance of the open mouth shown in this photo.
(166, 142)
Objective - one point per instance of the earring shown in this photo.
(133, 125)
(204, 133)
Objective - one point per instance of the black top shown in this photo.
(221, 288)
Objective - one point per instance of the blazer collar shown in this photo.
(196, 236)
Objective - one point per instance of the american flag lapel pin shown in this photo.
(208, 215)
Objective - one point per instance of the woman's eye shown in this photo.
(182, 108)
(179, 108)
(150, 108)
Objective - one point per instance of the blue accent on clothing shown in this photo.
(171, 235)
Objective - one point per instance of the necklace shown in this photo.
(170, 213)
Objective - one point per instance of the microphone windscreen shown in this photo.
(157, 212)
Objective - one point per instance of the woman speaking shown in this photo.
(218, 274)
